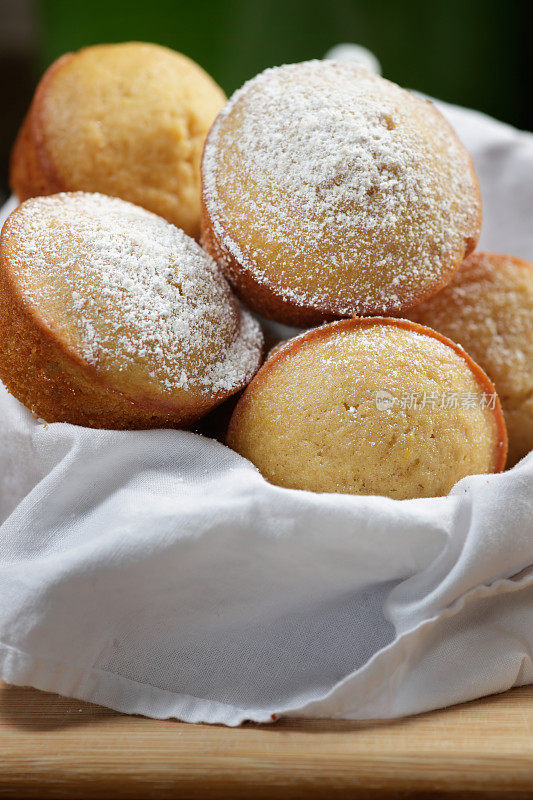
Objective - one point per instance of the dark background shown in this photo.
(476, 53)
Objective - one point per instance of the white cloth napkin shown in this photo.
(158, 573)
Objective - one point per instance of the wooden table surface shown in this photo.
(54, 747)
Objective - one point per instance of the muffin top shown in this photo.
(488, 309)
(370, 406)
(128, 120)
(337, 189)
(129, 295)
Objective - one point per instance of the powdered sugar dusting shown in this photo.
(356, 364)
(132, 294)
(488, 308)
(335, 187)
(363, 406)
(398, 355)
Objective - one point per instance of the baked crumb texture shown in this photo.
(310, 418)
(111, 317)
(488, 309)
(127, 120)
(328, 191)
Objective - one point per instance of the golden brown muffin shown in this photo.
(127, 120)
(488, 309)
(328, 191)
(370, 406)
(111, 317)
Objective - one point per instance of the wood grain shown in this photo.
(54, 747)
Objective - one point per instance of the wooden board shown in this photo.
(53, 747)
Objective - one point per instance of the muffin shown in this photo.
(488, 309)
(328, 191)
(127, 120)
(110, 317)
(370, 406)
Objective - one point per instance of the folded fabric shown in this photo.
(157, 572)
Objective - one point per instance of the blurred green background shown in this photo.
(473, 52)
